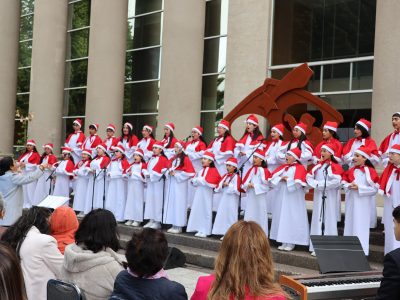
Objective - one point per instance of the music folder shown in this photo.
(337, 254)
(53, 201)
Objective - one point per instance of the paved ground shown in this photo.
(187, 277)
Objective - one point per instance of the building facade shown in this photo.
(187, 61)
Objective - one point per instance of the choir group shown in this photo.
(159, 181)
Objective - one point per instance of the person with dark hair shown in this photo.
(169, 140)
(75, 140)
(12, 286)
(390, 140)
(178, 175)
(11, 183)
(390, 283)
(147, 141)
(129, 140)
(93, 140)
(2, 213)
(28, 162)
(360, 184)
(329, 136)
(64, 172)
(40, 258)
(110, 141)
(92, 262)
(145, 277)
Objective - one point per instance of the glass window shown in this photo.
(144, 31)
(322, 29)
(336, 77)
(214, 60)
(213, 89)
(209, 121)
(26, 27)
(27, 6)
(25, 54)
(216, 18)
(22, 104)
(24, 80)
(20, 132)
(141, 97)
(79, 14)
(75, 102)
(79, 41)
(138, 7)
(362, 75)
(142, 64)
(139, 121)
(77, 71)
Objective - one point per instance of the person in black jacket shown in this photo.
(145, 278)
(390, 284)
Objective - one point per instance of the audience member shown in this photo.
(2, 212)
(145, 278)
(40, 258)
(243, 268)
(92, 262)
(64, 224)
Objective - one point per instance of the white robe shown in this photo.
(128, 150)
(175, 206)
(29, 189)
(200, 218)
(96, 185)
(306, 153)
(116, 191)
(290, 222)
(154, 196)
(81, 187)
(76, 148)
(357, 218)
(256, 199)
(43, 185)
(135, 194)
(61, 188)
(11, 189)
(143, 144)
(333, 183)
(195, 158)
(227, 213)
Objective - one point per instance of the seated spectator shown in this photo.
(64, 224)
(2, 212)
(40, 258)
(390, 284)
(12, 285)
(145, 277)
(92, 262)
(243, 268)
(11, 182)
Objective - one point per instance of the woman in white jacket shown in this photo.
(11, 182)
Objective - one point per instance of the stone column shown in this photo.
(9, 44)
(181, 65)
(106, 67)
(385, 96)
(247, 52)
(48, 71)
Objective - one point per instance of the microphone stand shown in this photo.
(322, 216)
(104, 186)
(163, 177)
(50, 177)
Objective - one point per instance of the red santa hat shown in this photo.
(259, 153)
(111, 127)
(331, 126)
(127, 124)
(331, 148)
(78, 122)
(209, 155)
(48, 145)
(148, 127)
(295, 152)
(232, 161)
(158, 144)
(170, 126)
(102, 146)
(364, 151)
(31, 142)
(302, 127)
(364, 123)
(252, 119)
(180, 144)
(119, 147)
(96, 126)
(198, 129)
(224, 124)
(87, 151)
(66, 150)
(279, 128)
(395, 149)
(139, 152)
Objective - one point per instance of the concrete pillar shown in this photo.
(385, 96)
(180, 87)
(9, 43)
(106, 67)
(247, 52)
(48, 71)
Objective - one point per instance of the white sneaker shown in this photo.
(242, 213)
(81, 214)
(175, 230)
(171, 229)
(289, 247)
(149, 224)
(156, 225)
(222, 238)
(128, 223)
(201, 235)
(135, 224)
(313, 253)
(282, 247)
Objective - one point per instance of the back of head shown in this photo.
(1, 203)
(98, 231)
(35, 216)
(396, 214)
(12, 285)
(63, 221)
(5, 164)
(244, 263)
(146, 252)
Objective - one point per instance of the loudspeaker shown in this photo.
(175, 259)
(339, 254)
